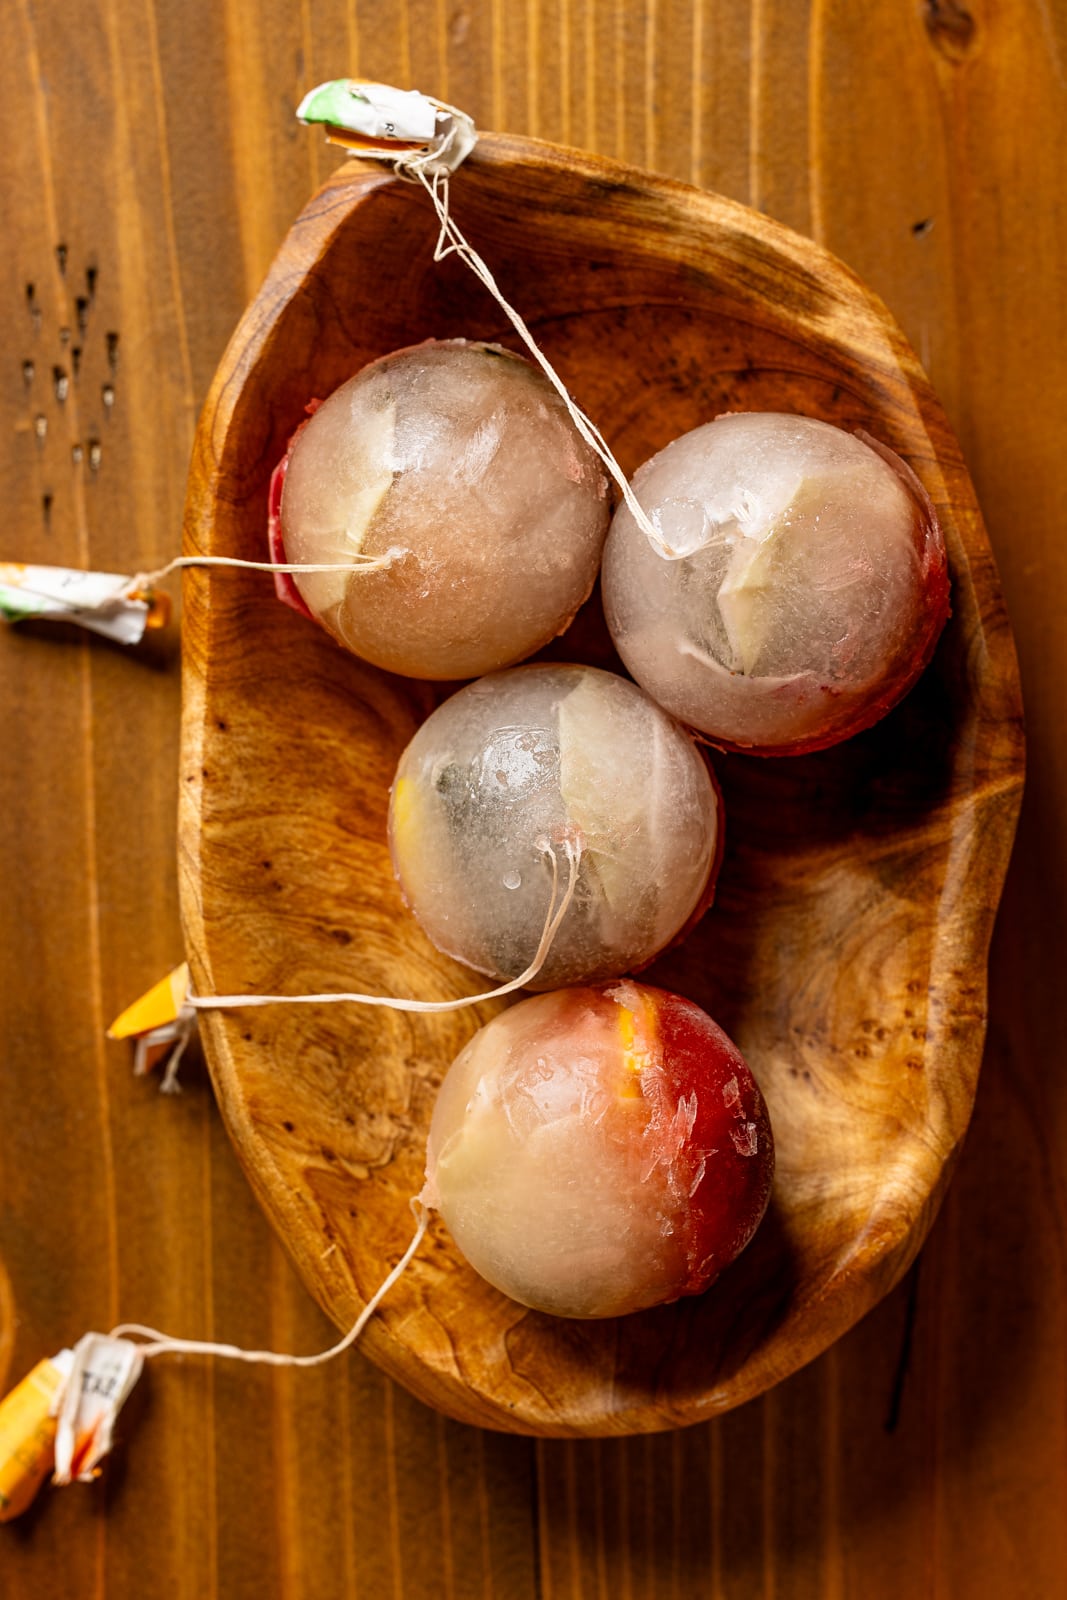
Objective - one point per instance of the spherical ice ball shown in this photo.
(809, 588)
(459, 460)
(598, 1151)
(523, 762)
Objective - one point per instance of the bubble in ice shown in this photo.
(517, 766)
(806, 587)
(598, 1151)
(459, 461)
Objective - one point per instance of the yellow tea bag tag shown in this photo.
(105, 602)
(28, 1432)
(103, 1371)
(162, 1017)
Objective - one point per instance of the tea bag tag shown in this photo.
(103, 1372)
(161, 1017)
(28, 1432)
(63, 1413)
(62, 1417)
(381, 123)
(101, 601)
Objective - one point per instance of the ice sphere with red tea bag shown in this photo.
(459, 461)
(516, 766)
(597, 1151)
(807, 588)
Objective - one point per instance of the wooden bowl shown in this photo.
(846, 952)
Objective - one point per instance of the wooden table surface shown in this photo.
(150, 165)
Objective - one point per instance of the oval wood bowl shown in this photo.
(846, 952)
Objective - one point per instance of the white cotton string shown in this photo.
(179, 1035)
(161, 1344)
(358, 563)
(452, 242)
(218, 1002)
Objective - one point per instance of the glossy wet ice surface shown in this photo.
(598, 1151)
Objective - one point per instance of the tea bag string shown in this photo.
(421, 167)
(161, 1344)
(146, 580)
(156, 1343)
(555, 915)
(451, 241)
(150, 1342)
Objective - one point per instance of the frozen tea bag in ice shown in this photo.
(804, 591)
(458, 463)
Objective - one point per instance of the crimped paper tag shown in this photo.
(101, 601)
(161, 1020)
(103, 1372)
(377, 121)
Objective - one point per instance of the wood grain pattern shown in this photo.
(846, 952)
(926, 1453)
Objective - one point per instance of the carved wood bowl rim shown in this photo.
(518, 1371)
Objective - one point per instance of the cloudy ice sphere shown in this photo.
(809, 590)
(461, 460)
(598, 1151)
(538, 756)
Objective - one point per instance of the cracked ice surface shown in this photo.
(577, 1154)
